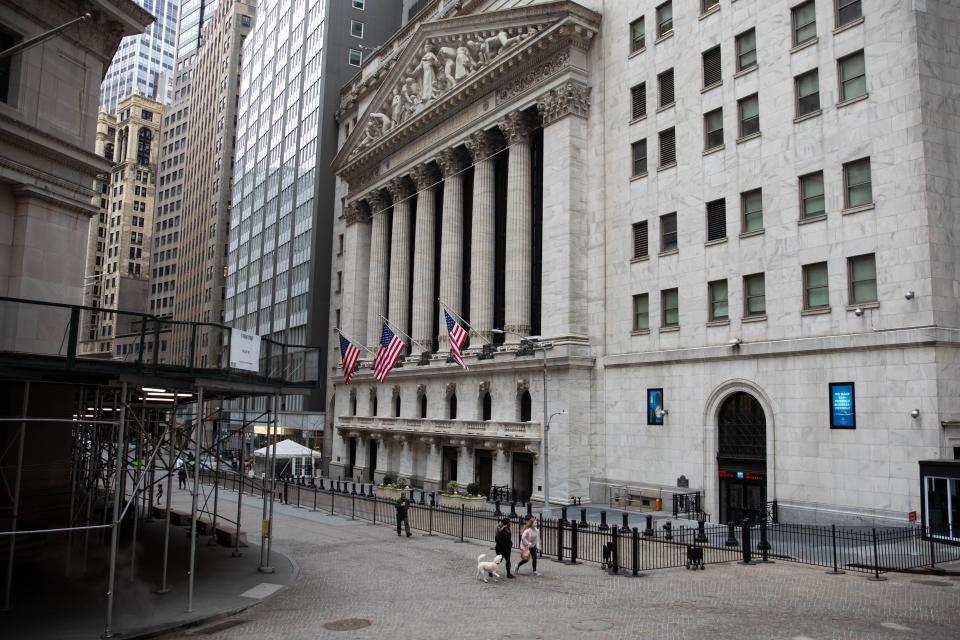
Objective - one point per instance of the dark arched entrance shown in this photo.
(742, 458)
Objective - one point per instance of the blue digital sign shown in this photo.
(843, 406)
(655, 407)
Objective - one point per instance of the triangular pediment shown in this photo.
(448, 59)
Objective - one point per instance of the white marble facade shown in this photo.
(567, 68)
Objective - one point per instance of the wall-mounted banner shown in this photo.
(655, 407)
(843, 406)
(244, 350)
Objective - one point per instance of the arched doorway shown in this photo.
(742, 458)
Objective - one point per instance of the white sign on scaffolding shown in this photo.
(244, 350)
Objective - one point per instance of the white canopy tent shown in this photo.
(292, 459)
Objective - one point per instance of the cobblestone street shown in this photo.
(424, 587)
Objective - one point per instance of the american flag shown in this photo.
(349, 352)
(457, 337)
(391, 346)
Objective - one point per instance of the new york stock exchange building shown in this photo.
(710, 239)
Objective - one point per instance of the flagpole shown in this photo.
(337, 329)
(398, 330)
(460, 318)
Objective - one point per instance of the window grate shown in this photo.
(638, 95)
(711, 67)
(716, 220)
(665, 83)
(640, 240)
(668, 147)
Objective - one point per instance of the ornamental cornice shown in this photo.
(570, 98)
(451, 161)
(517, 126)
(400, 189)
(356, 212)
(424, 176)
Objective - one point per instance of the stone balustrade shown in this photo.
(497, 430)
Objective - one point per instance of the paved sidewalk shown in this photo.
(363, 577)
(224, 585)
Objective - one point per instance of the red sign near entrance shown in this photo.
(912, 516)
(741, 475)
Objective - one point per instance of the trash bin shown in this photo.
(658, 505)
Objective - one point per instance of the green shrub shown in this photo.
(453, 487)
(387, 481)
(473, 489)
(401, 483)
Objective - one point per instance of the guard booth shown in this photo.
(940, 499)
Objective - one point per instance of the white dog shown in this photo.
(484, 567)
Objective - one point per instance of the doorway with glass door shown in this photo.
(742, 459)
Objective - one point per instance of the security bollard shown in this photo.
(573, 542)
(353, 489)
(286, 490)
(615, 555)
(731, 535)
(635, 547)
(603, 521)
(423, 497)
(321, 485)
(648, 532)
(583, 516)
(764, 546)
(667, 531)
(563, 514)
(363, 490)
(745, 535)
(701, 533)
(497, 508)
(513, 509)
(529, 509)
(560, 525)
(625, 526)
(433, 499)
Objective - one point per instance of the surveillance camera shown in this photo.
(915, 413)
(735, 342)
(858, 312)
(908, 295)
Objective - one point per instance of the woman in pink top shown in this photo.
(529, 543)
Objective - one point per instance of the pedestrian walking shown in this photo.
(403, 504)
(529, 544)
(182, 478)
(504, 543)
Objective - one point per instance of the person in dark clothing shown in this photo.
(504, 543)
(182, 478)
(403, 504)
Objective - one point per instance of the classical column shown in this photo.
(564, 287)
(452, 163)
(405, 453)
(356, 273)
(360, 467)
(379, 245)
(516, 127)
(431, 480)
(381, 465)
(501, 475)
(424, 177)
(465, 464)
(481, 146)
(401, 191)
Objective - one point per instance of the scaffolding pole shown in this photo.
(115, 529)
(198, 436)
(16, 496)
(216, 471)
(171, 427)
(266, 524)
(243, 446)
(273, 475)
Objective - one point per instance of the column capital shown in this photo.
(570, 98)
(517, 126)
(451, 161)
(377, 202)
(400, 188)
(481, 145)
(424, 176)
(356, 212)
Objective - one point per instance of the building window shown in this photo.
(751, 210)
(396, 407)
(639, 151)
(245, 21)
(856, 183)
(665, 85)
(360, 4)
(808, 93)
(848, 11)
(668, 232)
(754, 295)
(749, 111)
(526, 407)
(668, 148)
(356, 28)
(670, 308)
(423, 406)
(718, 300)
(664, 20)
(452, 407)
(486, 406)
(804, 22)
(146, 115)
(354, 58)
(713, 129)
(816, 289)
(747, 50)
(716, 220)
(712, 74)
(637, 35)
(811, 195)
(862, 274)
(709, 5)
(853, 77)
(7, 89)
(638, 99)
(640, 240)
(641, 312)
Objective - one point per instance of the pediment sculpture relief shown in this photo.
(444, 62)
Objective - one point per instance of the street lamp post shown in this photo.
(536, 343)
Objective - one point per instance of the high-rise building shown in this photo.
(704, 247)
(119, 239)
(194, 16)
(299, 53)
(141, 59)
(208, 176)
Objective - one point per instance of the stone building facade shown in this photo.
(120, 237)
(727, 222)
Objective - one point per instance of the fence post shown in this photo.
(353, 505)
(430, 526)
(745, 536)
(583, 516)
(603, 521)
(615, 556)
(701, 534)
(933, 553)
(731, 535)
(833, 536)
(331, 500)
(513, 509)
(286, 492)
(314, 497)
(636, 552)
(667, 530)
(374, 500)
(648, 531)
(573, 542)
(461, 522)
(876, 577)
(764, 545)
(560, 540)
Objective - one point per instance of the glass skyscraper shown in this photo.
(140, 60)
